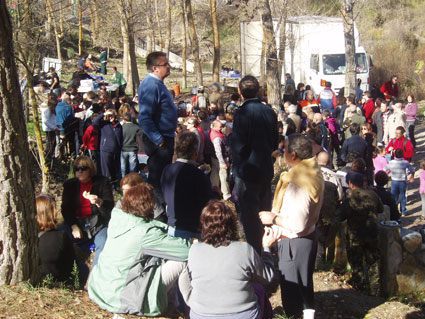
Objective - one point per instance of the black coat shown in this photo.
(254, 138)
(71, 200)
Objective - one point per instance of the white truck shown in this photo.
(314, 53)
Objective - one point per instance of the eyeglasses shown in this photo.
(166, 64)
(81, 168)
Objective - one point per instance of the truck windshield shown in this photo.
(335, 63)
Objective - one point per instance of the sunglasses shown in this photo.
(81, 168)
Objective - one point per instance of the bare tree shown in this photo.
(216, 36)
(130, 72)
(94, 20)
(350, 47)
(195, 43)
(158, 23)
(80, 27)
(168, 32)
(184, 36)
(30, 46)
(18, 230)
(55, 29)
(272, 65)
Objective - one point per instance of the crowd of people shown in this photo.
(173, 241)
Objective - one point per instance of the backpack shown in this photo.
(201, 101)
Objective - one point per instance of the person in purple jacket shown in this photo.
(110, 145)
(411, 108)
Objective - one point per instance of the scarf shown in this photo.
(306, 175)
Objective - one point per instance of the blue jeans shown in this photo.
(398, 189)
(128, 160)
(423, 204)
(99, 243)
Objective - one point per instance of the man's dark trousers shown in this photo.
(253, 197)
(159, 157)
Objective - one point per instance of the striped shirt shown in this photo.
(399, 168)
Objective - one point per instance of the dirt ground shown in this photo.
(334, 297)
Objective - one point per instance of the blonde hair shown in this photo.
(422, 164)
(46, 212)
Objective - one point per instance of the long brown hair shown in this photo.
(46, 212)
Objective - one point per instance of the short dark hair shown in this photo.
(400, 128)
(202, 115)
(301, 145)
(186, 145)
(326, 113)
(355, 129)
(219, 226)
(355, 178)
(139, 201)
(328, 84)
(351, 98)
(152, 59)
(127, 117)
(381, 178)
(235, 97)
(399, 153)
(249, 87)
(359, 165)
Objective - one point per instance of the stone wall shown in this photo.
(402, 256)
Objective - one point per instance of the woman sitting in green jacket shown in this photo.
(140, 263)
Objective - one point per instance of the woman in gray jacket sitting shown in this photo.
(226, 273)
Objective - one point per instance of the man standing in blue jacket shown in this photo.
(158, 118)
(64, 117)
(254, 138)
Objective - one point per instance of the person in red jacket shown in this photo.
(400, 141)
(368, 106)
(91, 143)
(390, 88)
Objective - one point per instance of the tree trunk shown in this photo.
(55, 29)
(150, 39)
(93, 17)
(80, 27)
(125, 43)
(132, 52)
(130, 71)
(18, 230)
(158, 23)
(45, 175)
(216, 36)
(184, 36)
(350, 47)
(282, 39)
(168, 34)
(272, 65)
(61, 19)
(262, 57)
(195, 43)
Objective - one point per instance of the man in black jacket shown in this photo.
(254, 138)
(354, 144)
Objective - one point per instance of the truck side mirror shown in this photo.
(371, 61)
